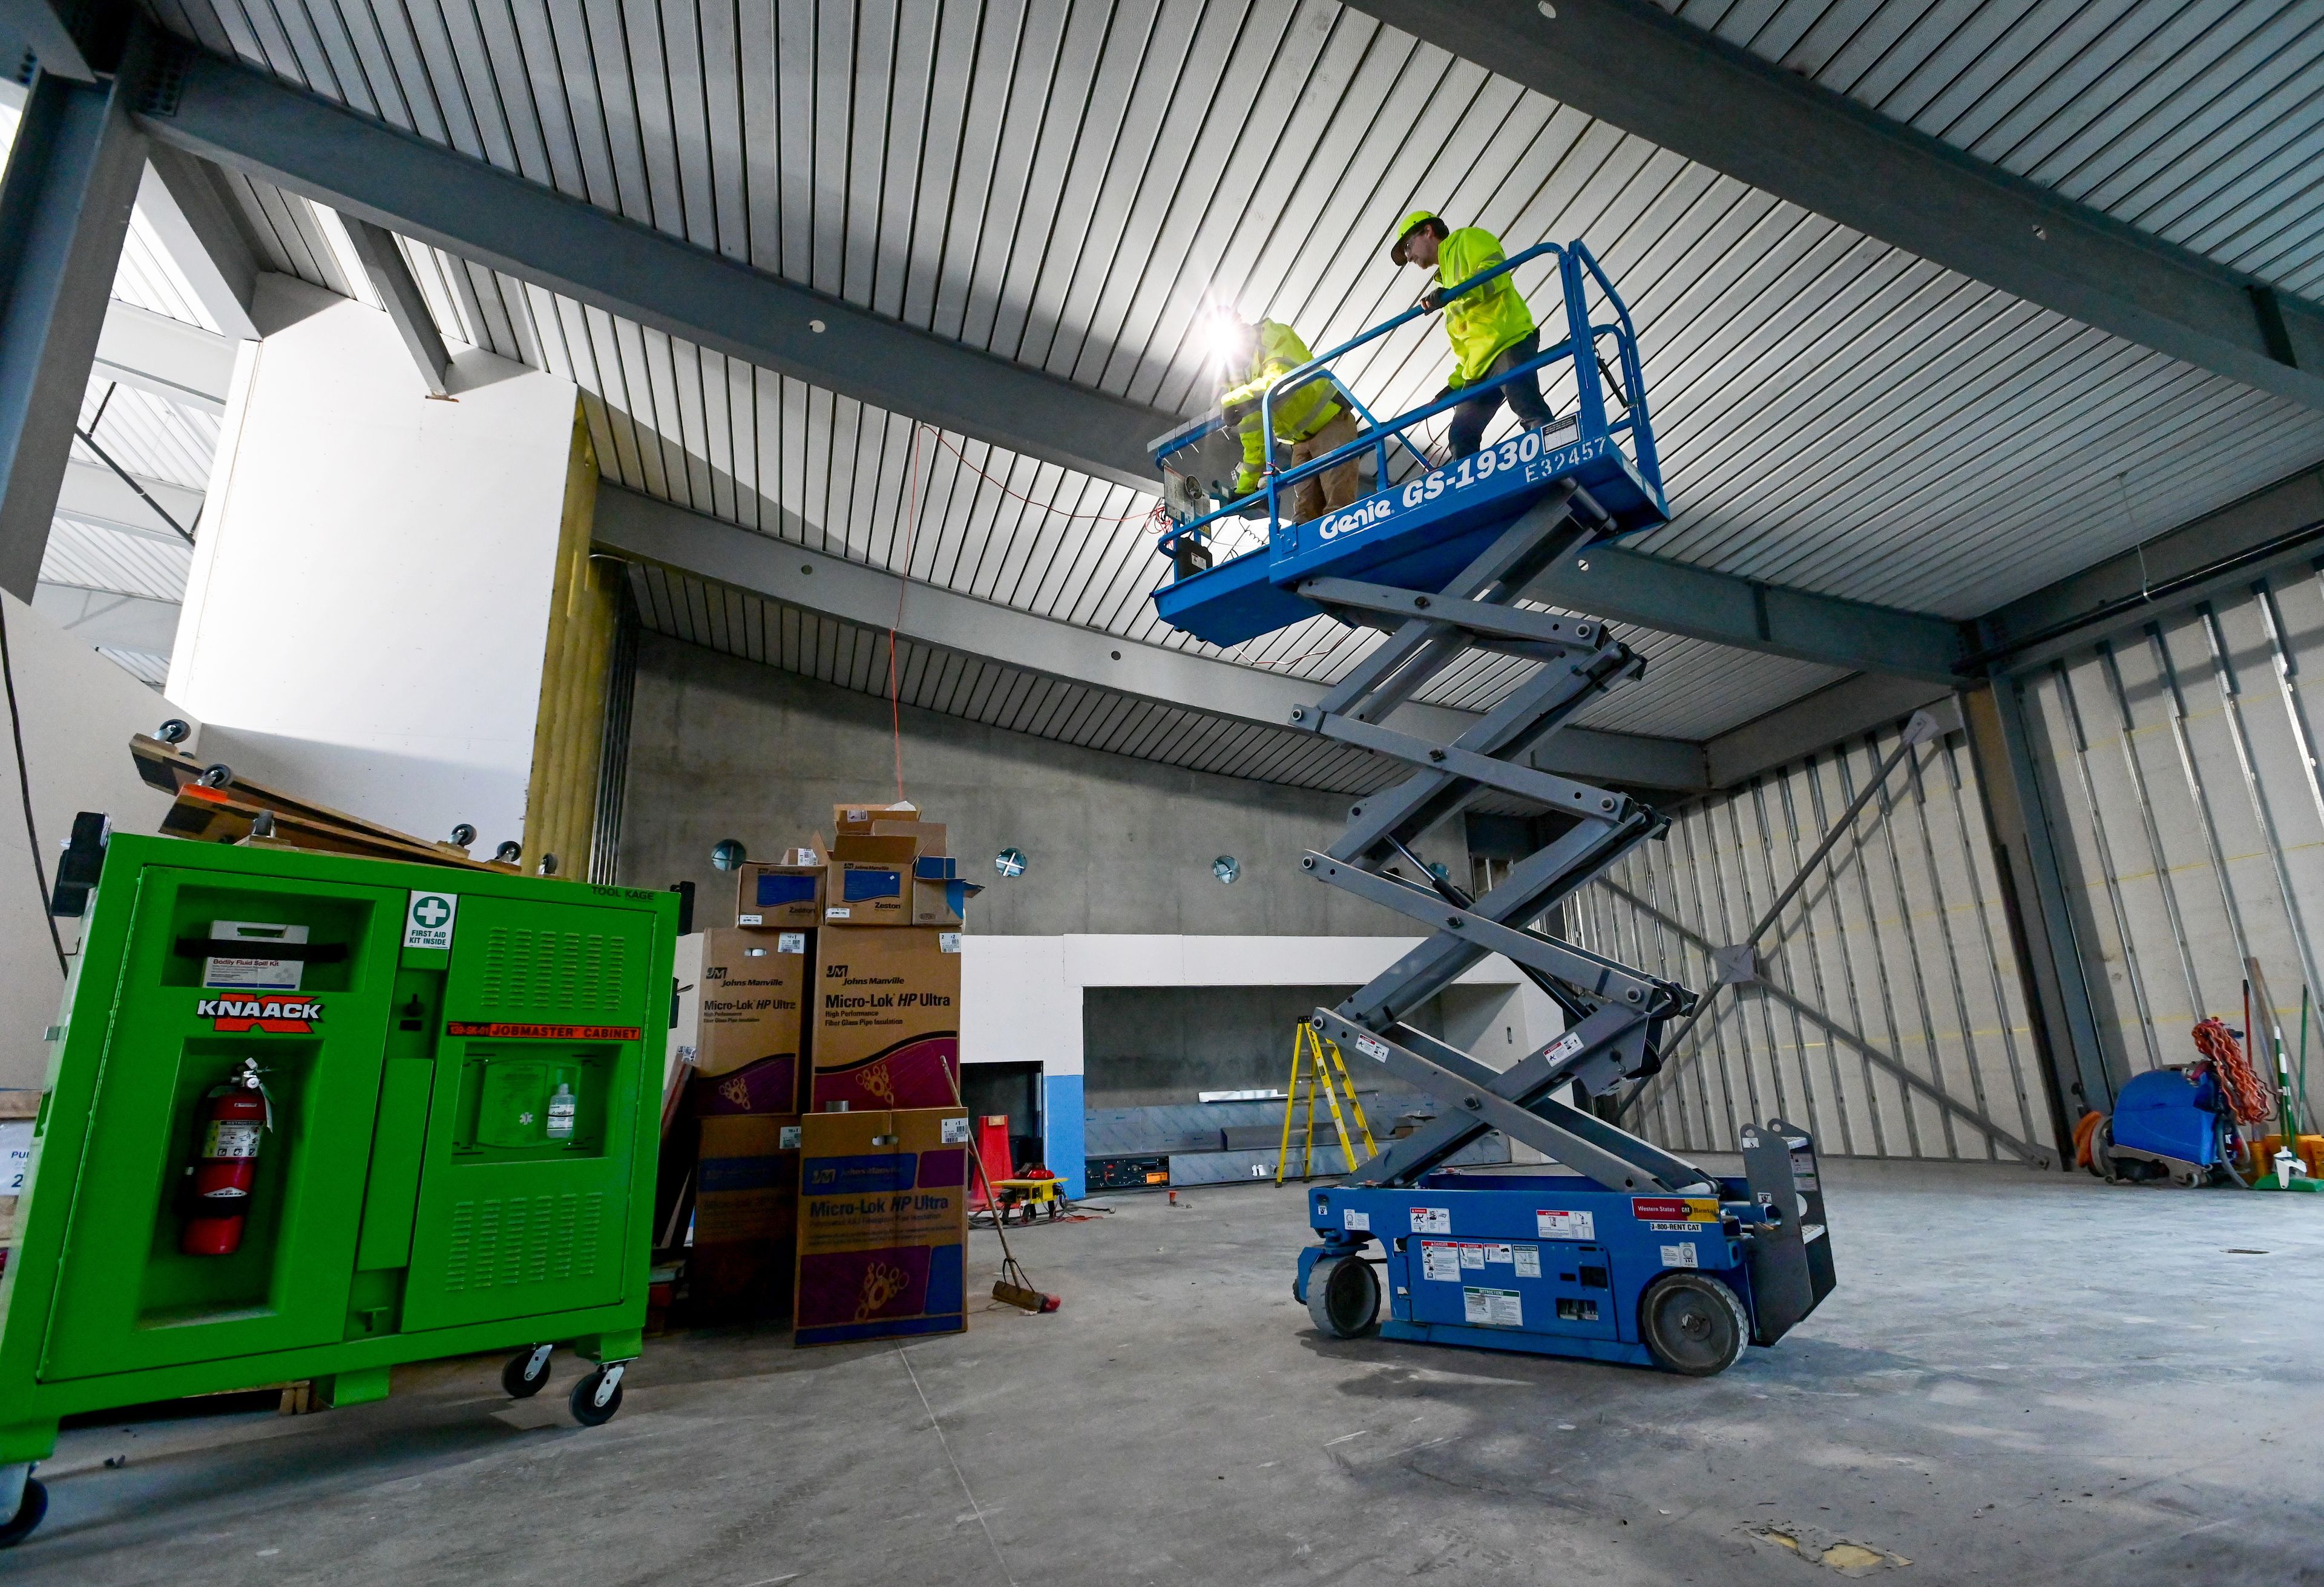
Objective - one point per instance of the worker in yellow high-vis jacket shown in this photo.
(1491, 329)
(1311, 419)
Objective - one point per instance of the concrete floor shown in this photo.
(2021, 1379)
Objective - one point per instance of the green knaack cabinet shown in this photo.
(454, 1135)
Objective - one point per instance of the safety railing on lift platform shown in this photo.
(1576, 267)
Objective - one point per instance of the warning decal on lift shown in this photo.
(1439, 1258)
(1352, 1219)
(521, 1032)
(1432, 1220)
(1496, 1309)
(1528, 1261)
(1564, 1226)
(1472, 1256)
(1674, 1209)
(1680, 1256)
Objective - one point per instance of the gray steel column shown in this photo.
(71, 183)
(2051, 951)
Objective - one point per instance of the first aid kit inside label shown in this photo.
(1495, 1308)
(1440, 1260)
(428, 918)
(1432, 1220)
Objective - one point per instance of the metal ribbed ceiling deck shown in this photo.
(1073, 186)
(2194, 120)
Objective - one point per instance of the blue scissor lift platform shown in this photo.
(1623, 1251)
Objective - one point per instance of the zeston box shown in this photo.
(886, 1019)
(883, 1224)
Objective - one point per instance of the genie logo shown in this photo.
(1354, 520)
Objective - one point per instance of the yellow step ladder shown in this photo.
(1319, 1061)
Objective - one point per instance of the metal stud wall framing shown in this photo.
(1888, 1017)
(2177, 768)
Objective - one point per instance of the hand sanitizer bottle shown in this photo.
(561, 1107)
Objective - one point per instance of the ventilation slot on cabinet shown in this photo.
(527, 1240)
(552, 972)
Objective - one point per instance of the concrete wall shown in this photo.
(1894, 961)
(2179, 773)
(1118, 890)
(721, 748)
(77, 711)
(368, 609)
(1149, 1046)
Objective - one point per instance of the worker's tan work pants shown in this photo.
(1336, 486)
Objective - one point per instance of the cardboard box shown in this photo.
(883, 1225)
(745, 1218)
(780, 897)
(867, 892)
(939, 895)
(874, 849)
(886, 1022)
(928, 837)
(857, 819)
(749, 1057)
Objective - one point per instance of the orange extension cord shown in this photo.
(2247, 1099)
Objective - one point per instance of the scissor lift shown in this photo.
(1631, 1253)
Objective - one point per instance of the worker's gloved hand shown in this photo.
(1433, 298)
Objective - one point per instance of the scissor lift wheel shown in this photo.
(1343, 1297)
(1693, 1324)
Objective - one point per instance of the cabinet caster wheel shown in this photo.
(598, 1396)
(29, 1511)
(526, 1374)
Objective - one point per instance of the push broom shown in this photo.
(1013, 1287)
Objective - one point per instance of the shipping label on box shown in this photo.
(753, 985)
(783, 897)
(883, 1225)
(886, 1021)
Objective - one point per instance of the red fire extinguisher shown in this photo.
(218, 1191)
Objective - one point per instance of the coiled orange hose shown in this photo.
(2247, 1100)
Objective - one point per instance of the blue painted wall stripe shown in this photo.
(1061, 1112)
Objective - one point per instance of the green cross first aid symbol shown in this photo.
(431, 911)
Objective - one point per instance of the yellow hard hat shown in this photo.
(1404, 228)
